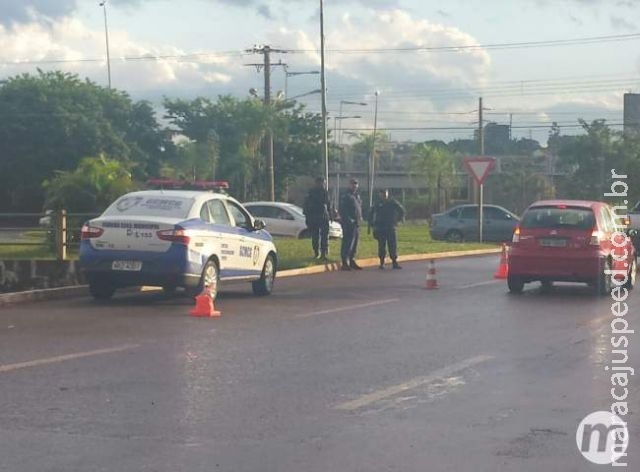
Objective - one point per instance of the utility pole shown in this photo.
(372, 159)
(480, 128)
(103, 4)
(323, 87)
(481, 186)
(266, 53)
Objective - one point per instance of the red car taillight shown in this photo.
(596, 237)
(174, 235)
(516, 235)
(89, 232)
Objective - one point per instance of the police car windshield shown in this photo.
(150, 205)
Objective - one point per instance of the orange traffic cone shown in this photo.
(432, 282)
(503, 268)
(204, 305)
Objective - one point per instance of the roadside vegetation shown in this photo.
(292, 253)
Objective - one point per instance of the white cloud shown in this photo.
(72, 47)
(401, 75)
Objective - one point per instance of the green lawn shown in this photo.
(292, 253)
(412, 239)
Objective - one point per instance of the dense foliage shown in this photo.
(67, 142)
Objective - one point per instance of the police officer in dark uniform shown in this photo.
(384, 217)
(350, 216)
(317, 207)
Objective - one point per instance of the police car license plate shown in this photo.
(126, 265)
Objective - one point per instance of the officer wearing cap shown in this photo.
(350, 215)
(384, 217)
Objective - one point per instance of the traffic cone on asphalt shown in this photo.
(432, 281)
(503, 267)
(204, 305)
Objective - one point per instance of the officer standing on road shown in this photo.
(350, 216)
(317, 212)
(384, 217)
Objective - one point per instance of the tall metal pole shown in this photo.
(372, 159)
(267, 103)
(340, 147)
(481, 186)
(103, 4)
(325, 145)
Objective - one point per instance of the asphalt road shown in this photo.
(347, 371)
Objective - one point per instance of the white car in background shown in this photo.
(176, 238)
(286, 219)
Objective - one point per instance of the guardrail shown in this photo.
(57, 231)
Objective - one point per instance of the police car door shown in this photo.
(223, 242)
(250, 251)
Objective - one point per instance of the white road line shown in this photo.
(66, 357)
(348, 307)
(480, 284)
(413, 383)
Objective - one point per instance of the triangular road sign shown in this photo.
(479, 167)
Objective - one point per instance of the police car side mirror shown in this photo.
(258, 225)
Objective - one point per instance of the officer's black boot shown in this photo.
(381, 266)
(354, 266)
(395, 265)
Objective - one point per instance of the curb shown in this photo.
(43, 294)
(374, 261)
(7, 299)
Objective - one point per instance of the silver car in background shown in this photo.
(286, 219)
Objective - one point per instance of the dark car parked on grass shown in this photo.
(460, 223)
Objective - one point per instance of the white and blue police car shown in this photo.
(176, 238)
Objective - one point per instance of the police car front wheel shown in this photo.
(264, 285)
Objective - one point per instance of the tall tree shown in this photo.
(51, 120)
(91, 187)
(240, 126)
(436, 166)
(586, 161)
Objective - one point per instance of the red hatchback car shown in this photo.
(571, 241)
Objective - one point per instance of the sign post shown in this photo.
(479, 167)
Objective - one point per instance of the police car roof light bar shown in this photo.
(215, 185)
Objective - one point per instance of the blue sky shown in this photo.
(371, 45)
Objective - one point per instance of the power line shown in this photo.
(492, 46)
(468, 128)
(199, 57)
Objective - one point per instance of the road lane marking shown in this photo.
(439, 374)
(479, 284)
(66, 357)
(348, 307)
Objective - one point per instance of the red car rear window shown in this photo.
(557, 218)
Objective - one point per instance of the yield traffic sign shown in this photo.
(479, 167)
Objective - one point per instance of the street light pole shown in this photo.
(288, 74)
(338, 142)
(343, 102)
(325, 145)
(372, 159)
(103, 4)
